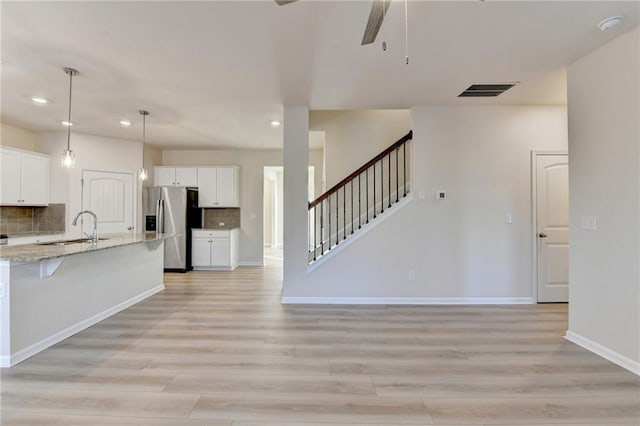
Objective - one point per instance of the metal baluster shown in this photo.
(374, 190)
(359, 202)
(329, 214)
(382, 185)
(352, 206)
(315, 230)
(397, 181)
(367, 189)
(321, 227)
(404, 167)
(389, 180)
(344, 211)
(337, 216)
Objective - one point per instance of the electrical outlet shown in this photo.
(220, 223)
(412, 275)
(441, 195)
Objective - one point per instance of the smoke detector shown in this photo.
(610, 23)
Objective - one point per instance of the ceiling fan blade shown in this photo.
(283, 2)
(378, 10)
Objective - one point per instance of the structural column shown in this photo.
(296, 163)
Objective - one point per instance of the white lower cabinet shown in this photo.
(214, 249)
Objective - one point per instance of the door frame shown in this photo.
(534, 217)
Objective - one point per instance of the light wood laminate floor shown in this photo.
(218, 349)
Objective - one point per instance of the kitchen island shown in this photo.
(50, 291)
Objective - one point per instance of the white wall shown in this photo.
(92, 153)
(252, 163)
(604, 179)
(353, 137)
(17, 137)
(459, 247)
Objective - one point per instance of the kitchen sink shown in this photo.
(69, 242)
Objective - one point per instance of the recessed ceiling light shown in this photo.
(125, 123)
(39, 100)
(610, 23)
(67, 123)
(275, 123)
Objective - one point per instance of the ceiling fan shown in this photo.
(376, 16)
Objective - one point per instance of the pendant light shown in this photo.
(142, 172)
(68, 156)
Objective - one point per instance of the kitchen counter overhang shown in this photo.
(49, 292)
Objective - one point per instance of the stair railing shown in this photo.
(358, 198)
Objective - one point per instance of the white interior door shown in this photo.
(110, 196)
(552, 227)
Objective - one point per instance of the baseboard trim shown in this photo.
(9, 361)
(408, 300)
(251, 264)
(604, 352)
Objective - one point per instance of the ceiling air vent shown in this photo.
(485, 90)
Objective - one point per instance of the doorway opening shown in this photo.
(273, 210)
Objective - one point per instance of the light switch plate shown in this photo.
(508, 219)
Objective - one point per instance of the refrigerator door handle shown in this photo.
(160, 216)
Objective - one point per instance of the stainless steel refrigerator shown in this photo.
(173, 210)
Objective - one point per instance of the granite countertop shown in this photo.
(49, 250)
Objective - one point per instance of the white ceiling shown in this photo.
(214, 74)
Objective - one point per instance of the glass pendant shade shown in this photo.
(142, 174)
(68, 160)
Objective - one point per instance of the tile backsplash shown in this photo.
(211, 218)
(23, 221)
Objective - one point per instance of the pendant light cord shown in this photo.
(69, 119)
(406, 32)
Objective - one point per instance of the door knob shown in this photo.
(542, 235)
(129, 228)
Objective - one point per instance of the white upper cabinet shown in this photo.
(25, 178)
(175, 176)
(218, 186)
(186, 176)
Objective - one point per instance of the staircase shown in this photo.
(359, 199)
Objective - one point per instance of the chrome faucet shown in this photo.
(94, 236)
